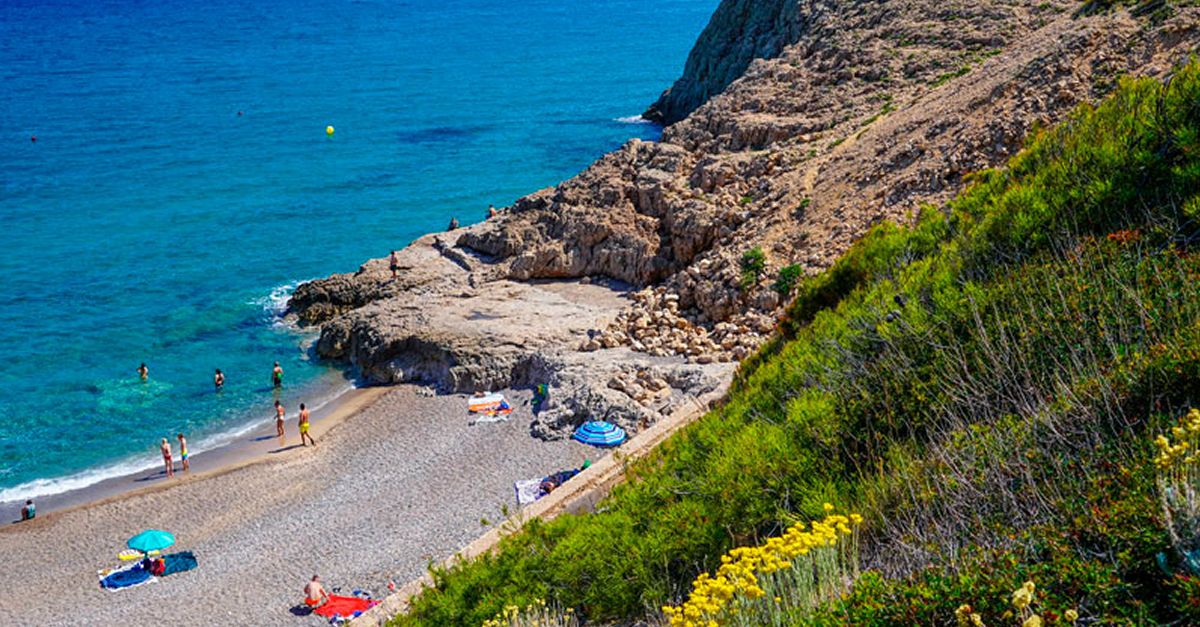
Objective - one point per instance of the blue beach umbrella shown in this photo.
(600, 433)
(151, 540)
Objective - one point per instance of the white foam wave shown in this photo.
(633, 119)
(275, 303)
(133, 465)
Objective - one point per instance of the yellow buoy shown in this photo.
(329, 130)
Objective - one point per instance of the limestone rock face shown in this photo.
(739, 32)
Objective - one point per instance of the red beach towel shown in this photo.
(344, 606)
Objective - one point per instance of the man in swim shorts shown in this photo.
(143, 371)
(219, 380)
(166, 455)
(279, 411)
(304, 426)
(314, 593)
(183, 452)
(277, 376)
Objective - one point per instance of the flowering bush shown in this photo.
(1178, 466)
(1024, 601)
(767, 584)
(536, 614)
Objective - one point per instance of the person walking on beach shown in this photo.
(277, 376)
(29, 511)
(279, 411)
(219, 380)
(183, 452)
(314, 593)
(394, 264)
(304, 426)
(143, 371)
(166, 453)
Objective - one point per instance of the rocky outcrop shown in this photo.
(739, 32)
(874, 110)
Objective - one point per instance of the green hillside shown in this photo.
(984, 387)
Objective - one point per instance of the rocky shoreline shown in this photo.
(633, 274)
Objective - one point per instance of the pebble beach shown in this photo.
(404, 481)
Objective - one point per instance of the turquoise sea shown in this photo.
(182, 182)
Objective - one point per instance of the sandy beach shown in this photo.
(400, 480)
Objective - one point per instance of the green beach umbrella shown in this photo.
(151, 540)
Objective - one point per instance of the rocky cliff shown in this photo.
(740, 31)
(867, 111)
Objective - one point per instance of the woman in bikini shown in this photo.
(279, 411)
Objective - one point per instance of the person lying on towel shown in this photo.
(314, 593)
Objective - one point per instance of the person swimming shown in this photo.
(183, 454)
(304, 426)
(143, 371)
(219, 380)
(277, 376)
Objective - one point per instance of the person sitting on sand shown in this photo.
(166, 454)
(29, 511)
(219, 380)
(183, 452)
(394, 264)
(304, 426)
(279, 411)
(143, 371)
(314, 593)
(277, 376)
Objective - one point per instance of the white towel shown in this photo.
(528, 490)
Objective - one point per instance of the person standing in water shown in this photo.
(166, 455)
(394, 264)
(304, 426)
(219, 380)
(279, 411)
(183, 452)
(143, 371)
(277, 376)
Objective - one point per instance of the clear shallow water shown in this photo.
(152, 222)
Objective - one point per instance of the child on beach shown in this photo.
(29, 511)
(143, 371)
(183, 452)
(219, 380)
(279, 421)
(304, 426)
(277, 376)
(166, 454)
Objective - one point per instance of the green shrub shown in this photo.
(789, 276)
(754, 262)
(981, 386)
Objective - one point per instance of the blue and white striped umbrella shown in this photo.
(600, 433)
